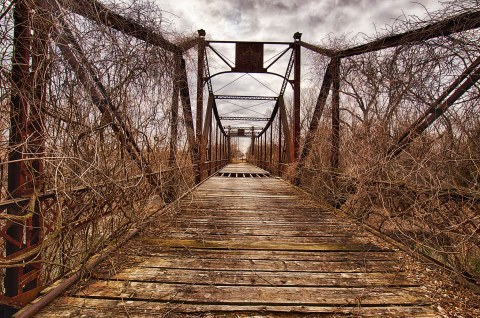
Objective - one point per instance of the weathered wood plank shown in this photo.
(254, 239)
(264, 278)
(360, 266)
(261, 245)
(218, 294)
(156, 251)
(70, 307)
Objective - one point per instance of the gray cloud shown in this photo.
(279, 19)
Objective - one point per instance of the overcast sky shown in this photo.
(278, 20)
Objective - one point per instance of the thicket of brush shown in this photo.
(428, 196)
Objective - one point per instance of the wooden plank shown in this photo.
(208, 234)
(265, 278)
(155, 251)
(359, 266)
(271, 231)
(70, 307)
(329, 296)
(260, 245)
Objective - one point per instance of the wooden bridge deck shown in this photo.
(252, 246)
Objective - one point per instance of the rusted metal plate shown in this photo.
(249, 57)
(242, 247)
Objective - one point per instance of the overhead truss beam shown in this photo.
(246, 118)
(455, 24)
(272, 98)
(99, 13)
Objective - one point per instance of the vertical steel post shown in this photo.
(335, 155)
(199, 121)
(296, 95)
(260, 150)
(206, 139)
(17, 177)
(279, 143)
(271, 145)
(216, 146)
(26, 145)
(174, 111)
(252, 146)
(286, 131)
(265, 150)
(221, 148)
(229, 148)
(210, 156)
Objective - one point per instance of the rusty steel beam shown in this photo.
(209, 149)
(271, 146)
(459, 23)
(220, 56)
(174, 111)
(22, 230)
(216, 143)
(96, 11)
(318, 49)
(75, 57)
(187, 115)
(248, 128)
(19, 102)
(459, 86)
(229, 148)
(245, 118)
(234, 42)
(188, 44)
(286, 130)
(83, 69)
(21, 283)
(279, 144)
(252, 144)
(278, 58)
(217, 118)
(199, 119)
(287, 74)
(220, 142)
(272, 98)
(208, 118)
(335, 151)
(296, 95)
(272, 117)
(317, 113)
(265, 148)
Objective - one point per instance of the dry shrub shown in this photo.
(427, 197)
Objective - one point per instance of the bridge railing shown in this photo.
(76, 223)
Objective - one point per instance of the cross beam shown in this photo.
(246, 118)
(272, 98)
